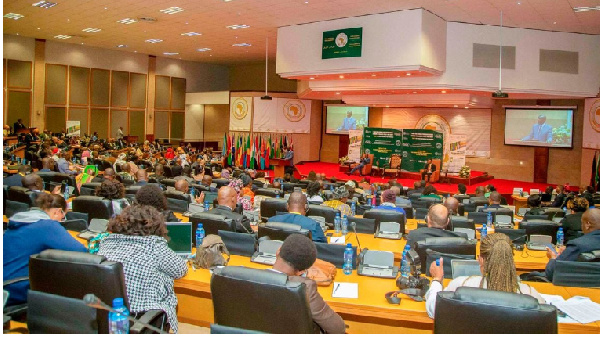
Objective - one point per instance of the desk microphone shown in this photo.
(92, 300)
(353, 225)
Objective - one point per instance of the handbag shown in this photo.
(211, 253)
(322, 272)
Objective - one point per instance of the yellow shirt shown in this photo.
(339, 205)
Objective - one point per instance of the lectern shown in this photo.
(279, 166)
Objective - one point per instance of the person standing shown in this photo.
(540, 131)
(349, 122)
(120, 133)
(18, 126)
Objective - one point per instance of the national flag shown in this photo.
(232, 151)
(593, 178)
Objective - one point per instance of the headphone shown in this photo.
(392, 297)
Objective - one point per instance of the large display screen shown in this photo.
(340, 119)
(539, 127)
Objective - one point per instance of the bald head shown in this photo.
(590, 220)
(480, 191)
(495, 197)
(125, 167)
(396, 189)
(141, 175)
(227, 196)
(48, 163)
(207, 180)
(451, 204)
(182, 185)
(297, 203)
(109, 174)
(437, 217)
(32, 182)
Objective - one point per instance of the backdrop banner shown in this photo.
(382, 143)
(591, 124)
(282, 115)
(418, 146)
(457, 153)
(356, 137)
(342, 43)
(73, 128)
(240, 113)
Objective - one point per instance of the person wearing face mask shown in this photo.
(29, 233)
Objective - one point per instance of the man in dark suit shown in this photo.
(18, 126)
(297, 206)
(15, 180)
(559, 200)
(429, 169)
(227, 199)
(296, 255)
(142, 177)
(479, 195)
(207, 181)
(363, 162)
(590, 241)
(437, 221)
(494, 202)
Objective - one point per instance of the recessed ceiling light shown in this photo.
(341, 76)
(13, 16)
(170, 53)
(518, 3)
(414, 92)
(373, 74)
(135, 51)
(237, 26)
(203, 49)
(466, 107)
(455, 106)
(38, 28)
(387, 106)
(338, 93)
(312, 78)
(121, 46)
(82, 43)
(62, 37)
(241, 44)
(105, 7)
(44, 4)
(172, 10)
(154, 40)
(127, 21)
(407, 74)
(191, 33)
(585, 9)
(554, 23)
(91, 30)
(443, 92)
(305, 2)
(227, 0)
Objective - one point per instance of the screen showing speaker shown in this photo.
(340, 119)
(539, 127)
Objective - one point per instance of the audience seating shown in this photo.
(238, 243)
(334, 254)
(89, 189)
(576, 274)
(13, 207)
(363, 225)
(260, 300)
(517, 236)
(72, 215)
(280, 230)
(447, 245)
(409, 212)
(221, 182)
(421, 213)
(222, 329)
(528, 217)
(386, 216)
(22, 194)
(53, 314)
(432, 255)
(269, 192)
(460, 222)
(492, 312)
(270, 206)
(168, 182)
(324, 211)
(56, 177)
(478, 217)
(540, 227)
(211, 223)
(93, 206)
(167, 171)
(75, 225)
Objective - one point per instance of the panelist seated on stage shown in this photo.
(498, 273)
(297, 206)
(227, 199)
(294, 257)
(364, 160)
(388, 202)
(437, 221)
(590, 241)
(540, 131)
(428, 170)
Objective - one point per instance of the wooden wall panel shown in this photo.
(56, 84)
(79, 85)
(100, 87)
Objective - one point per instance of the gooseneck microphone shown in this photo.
(353, 225)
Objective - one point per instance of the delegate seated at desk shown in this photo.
(437, 221)
(297, 206)
(227, 199)
(540, 131)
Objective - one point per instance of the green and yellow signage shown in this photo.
(342, 43)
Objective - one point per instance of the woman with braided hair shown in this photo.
(497, 268)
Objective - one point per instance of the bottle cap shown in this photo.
(407, 247)
(349, 245)
(437, 262)
(199, 226)
(117, 302)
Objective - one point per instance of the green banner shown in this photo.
(419, 145)
(382, 143)
(342, 43)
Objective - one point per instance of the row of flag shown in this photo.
(254, 152)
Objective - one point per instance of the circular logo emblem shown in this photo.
(367, 151)
(341, 40)
(438, 145)
(240, 108)
(594, 115)
(294, 110)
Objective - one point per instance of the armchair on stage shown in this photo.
(366, 170)
(435, 176)
(393, 166)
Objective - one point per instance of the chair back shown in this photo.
(421, 213)
(56, 177)
(222, 329)
(432, 256)
(22, 194)
(211, 223)
(74, 225)
(238, 243)
(167, 171)
(529, 217)
(13, 207)
(363, 225)
(75, 274)
(517, 236)
(72, 215)
(448, 245)
(540, 227)
(168, 182)
(269, 192)
(280, 230)
(386, 216)
(579, 274)
(465, 267)
(421, 203)
(132, 189)
(478, 217)
(220, 182)
(490, 311)
(471, 234)
(461, 222)
(334, 254)
(554, 212)
(324, 211)
(94, 206)
(260, 300)
(54, 314)
(270, 206)
(89, 189)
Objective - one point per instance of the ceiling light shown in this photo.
(466, 107)
(341, 76)
(312, 78)
(62, 37)
(38, 28)
(91, 30)
(227, 0)
(237, 26)
(14, 16)
(305, 2)
(585, 9)
(373, 74)
(414, 92)
(203, 49)
(121, 46)
(154, 40)
(241, 44)
(170, 53)
(443, 92)
(554, 23)
(518, 3)
(338, 93)
(387, 106)
(191, 33)
(127, 21)
(407, 74)
(455, 106)
(172, 10)
(44, 4)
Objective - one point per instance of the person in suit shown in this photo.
(227, 202)
(294, 257)
(494, 202)
(571, 223)
(418, 187)
(297, 206)
(349, 122)
(479, 195)
(590, 241)
(429, 169)
(109, 174)
(540, 131)
(437, 221)
(364, 160)
(142, 177)
(207, 181)
(18, 126)
(34, 183)
(533, 202)
(559, 200)
(15, 180)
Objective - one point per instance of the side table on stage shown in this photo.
(279, 166)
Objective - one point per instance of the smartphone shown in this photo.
(549, 245)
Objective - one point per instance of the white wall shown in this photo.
(221, 97)
(18, 48)
(194, 122)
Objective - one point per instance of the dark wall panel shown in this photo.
(137, 87)
(56, 84)
(55, 119)
(100, 87)
(81, 115)
(177, 125)
(163, 92)
(118, 93)
(137, 124)
(19, 74)
(99, 122)
(19, 107)
(177, 93)
(79, 85)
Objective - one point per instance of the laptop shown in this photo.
(267, 250)
(377, 264)
(390, 230)
(96, 227)
(539, 242)
(180, 238)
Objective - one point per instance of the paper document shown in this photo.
(580, 309)
(337, 240)
(345, 290)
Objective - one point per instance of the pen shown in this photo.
(337, 287)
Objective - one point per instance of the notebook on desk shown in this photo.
(180, 238)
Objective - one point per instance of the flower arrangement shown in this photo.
(464, 172)
(561, 135)
(344, 159)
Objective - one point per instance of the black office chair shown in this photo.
(105, 165)
(270, 206)
(334, 254)
(430, 200)
(408, 212)
(177, 202)
(414, 197)
(75, 225)
(93, 206)
(386, 216)
(280, 230)
(221, 182)
(22, 194)
(554, 212)
(167, 171)
(517, 236)
(269, 192)
(89, 189)
(53, 314)
(478, 217)
(593, 256)
(422, 204)
(447, 245)
(222, 329)
(72, 215)
(576, 274)
(288, 187)
(324, 211)
(260, 300)
(75, 274)
(132, 189)
(432, 255)
(241, 244)
(168, 182)
(540, 227)
(492, 312)
(13, 207)
(460, 222)
(529, 217)
(363, 225)
(421, 213)
(58, 178)
(211, 223)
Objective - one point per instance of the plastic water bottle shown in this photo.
(353, 208)
(405, 265)
(117, 321)
(67, 192)
(200, 234)
(344, 225)
(483, 231)
(368, 201)
(337, 226)
(560, 237)
(206, 206)
(277, 194)
(489, 219)
(348, 256)
(193, 192)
